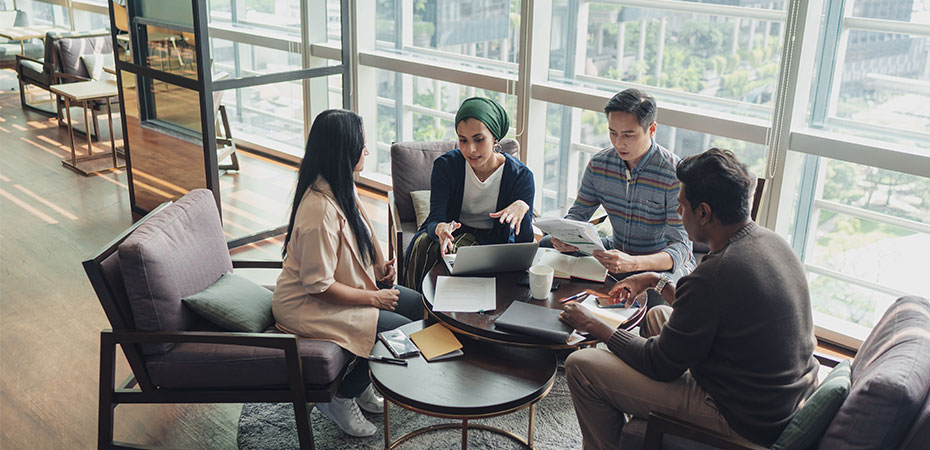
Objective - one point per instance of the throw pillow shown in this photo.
(808, 425)
(234, 303)
(94, 64)
(420, 206)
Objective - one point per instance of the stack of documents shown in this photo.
(613, 316)
(574, 232)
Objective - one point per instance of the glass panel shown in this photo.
(428, 108)
(904, 11)
(170, 50)
(176, 12)
(883, 191)
(177, 106)
(164, 166)
(847, 302)
(41, 13)
(270, 115)
(727, 63)
(883, 88)
(87, 21)
(482, 33)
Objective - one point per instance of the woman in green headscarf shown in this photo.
(478, 193)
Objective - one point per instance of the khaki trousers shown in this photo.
(603, 388)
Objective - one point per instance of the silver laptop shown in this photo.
(491, 258)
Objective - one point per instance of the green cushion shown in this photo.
(420, 206)
(808, 425)
(234, 303)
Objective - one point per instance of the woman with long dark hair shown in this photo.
(478, 193)
(335, 284)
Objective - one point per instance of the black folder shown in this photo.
(536, 321)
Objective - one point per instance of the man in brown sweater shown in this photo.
(733, 352)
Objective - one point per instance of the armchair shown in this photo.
(411, 168)
(62, 63)
(888, 405)
(177, 250)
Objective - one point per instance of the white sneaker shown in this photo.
(345, 412)
(370, 401)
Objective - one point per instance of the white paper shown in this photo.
(580, 234)
(465, 294)
(613, 316)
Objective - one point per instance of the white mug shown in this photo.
(541, 281)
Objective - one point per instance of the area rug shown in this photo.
(272, 426)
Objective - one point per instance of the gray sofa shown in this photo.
(888, 405)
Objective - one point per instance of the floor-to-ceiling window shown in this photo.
(825, 99)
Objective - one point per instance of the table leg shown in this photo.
(464, 434)
(529, 434)
(112, 139)
(90, 148)
(387, 426)
(70, 130)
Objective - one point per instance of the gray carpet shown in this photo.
(271, 426)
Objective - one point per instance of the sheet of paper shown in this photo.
(580, 234)
(465, 294)
(613, 316)
(435, 340)
(561, 264)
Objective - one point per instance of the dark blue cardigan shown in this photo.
(447, 187)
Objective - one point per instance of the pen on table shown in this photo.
(573, 297)
(399, 362)
(485, 311)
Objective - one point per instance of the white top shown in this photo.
(480, 198)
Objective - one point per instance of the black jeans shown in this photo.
(409, 308)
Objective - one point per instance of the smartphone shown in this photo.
(398, 343)
(604, 302)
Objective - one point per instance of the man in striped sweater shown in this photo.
(635, 181)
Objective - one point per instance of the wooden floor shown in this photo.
(50, 220)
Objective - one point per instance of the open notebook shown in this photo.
(567, 266)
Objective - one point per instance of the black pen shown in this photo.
(574, 297)
(399, 362)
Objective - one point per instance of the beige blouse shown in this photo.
(321, 251)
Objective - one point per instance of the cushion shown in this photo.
(420, 206)
(890, 381)
(177, 252)
(193, 365)
(808, 424)
(72, 48)
(94, 64)
(234, 303)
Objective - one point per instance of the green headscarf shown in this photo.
(488, 112)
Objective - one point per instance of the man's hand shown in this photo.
(615, 261)
(444, 233)
(385, 299)
(512, 214)
(629, 288)
(585, 321)
(563, 247)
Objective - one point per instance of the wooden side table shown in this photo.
(86, 92)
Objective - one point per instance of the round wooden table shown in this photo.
(487, 380)
(481, 325)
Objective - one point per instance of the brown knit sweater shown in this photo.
(742, 325)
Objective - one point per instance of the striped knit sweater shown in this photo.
(641, 203)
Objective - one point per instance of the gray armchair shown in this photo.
(176, 357)
(888, 406)
(411, 167)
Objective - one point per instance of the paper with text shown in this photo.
(465, 294)
(580, 234)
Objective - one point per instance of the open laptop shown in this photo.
(491, 258)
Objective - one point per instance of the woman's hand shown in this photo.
(385, 299)
(512, 214)
(387, 273)
(444, 233)
(563, 247)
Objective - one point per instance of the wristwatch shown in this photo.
(663, 280)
